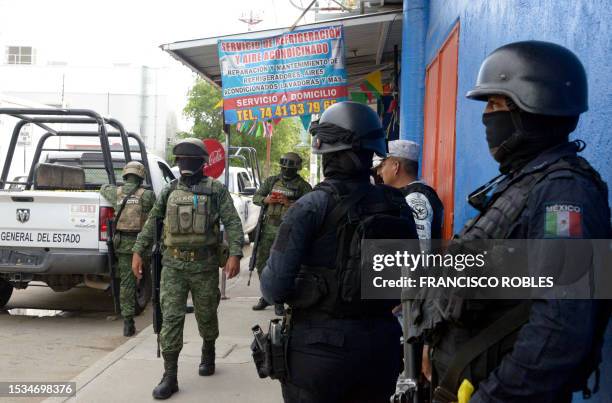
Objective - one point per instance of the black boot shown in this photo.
(207, 365)
(279, 309)
(168, 384)
(128, 327)
(260, 305)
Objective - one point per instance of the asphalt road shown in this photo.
(49, 336)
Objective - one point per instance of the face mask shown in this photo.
(190, 166)
(288, 173)
(499, 127)
(131, 178)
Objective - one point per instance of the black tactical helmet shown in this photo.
(539, 77)
(348, 126)
(291, 160)
(190, 147)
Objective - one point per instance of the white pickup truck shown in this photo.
(54, 225)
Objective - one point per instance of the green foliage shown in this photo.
(208, 123)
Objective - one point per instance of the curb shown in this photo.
(98, 368)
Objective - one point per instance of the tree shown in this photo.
(208, 123)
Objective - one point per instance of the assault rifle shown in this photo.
(408, 388)
(156, 266)
(112, 264)
(258, 229)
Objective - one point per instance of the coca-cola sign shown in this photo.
(216, 158)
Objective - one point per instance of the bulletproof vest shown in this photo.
(496, 222)
(188, 222)
(290, 190)
(509, 201)
(436, 205)
(368, 212)
(132, 217)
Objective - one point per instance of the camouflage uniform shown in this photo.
(186, 269)
(125, 243)
(293, 189)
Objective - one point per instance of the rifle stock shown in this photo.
(156, 258)
(112, 265)
(253, 260)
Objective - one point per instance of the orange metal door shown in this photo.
(439, 127)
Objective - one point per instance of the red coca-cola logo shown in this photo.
(216, 158)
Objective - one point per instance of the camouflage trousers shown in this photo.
(175, 285)
(127, 291)
(268, 234)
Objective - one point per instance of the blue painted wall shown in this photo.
(584, 26)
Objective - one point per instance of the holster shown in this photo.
(270, 350)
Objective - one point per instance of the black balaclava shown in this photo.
(191, 169)
(348, 165)
(516, 137)
(288, 173)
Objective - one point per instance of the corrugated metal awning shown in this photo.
(370, 40)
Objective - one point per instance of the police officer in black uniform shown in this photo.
(535, 92)
(338, 351)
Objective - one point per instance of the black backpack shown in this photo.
(356, 218)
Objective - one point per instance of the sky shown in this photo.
(104, 33)
(86, 32)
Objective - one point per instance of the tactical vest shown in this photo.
(436, 205)
(189, 221)
(275, 212)
(483, 352)
(508, 203)
(132, 217)
(334, 292)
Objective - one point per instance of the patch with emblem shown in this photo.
(563, 220)
(419, 205)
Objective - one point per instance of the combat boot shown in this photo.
(260, 305)
(128, 327)
(279, 309)
(207, 365)
(168, 384)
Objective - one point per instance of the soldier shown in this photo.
(401, 169)
(191, 209)
(129, 218)
(276, 195)
(534, 93)
(331, 352)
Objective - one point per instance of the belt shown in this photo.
(191, 255)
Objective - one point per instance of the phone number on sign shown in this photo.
(37, 389)
(282, 111)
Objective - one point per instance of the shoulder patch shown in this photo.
(420, 205)
(563, 220)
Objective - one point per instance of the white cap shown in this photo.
(404, 149)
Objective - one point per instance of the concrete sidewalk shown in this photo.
(130, 373)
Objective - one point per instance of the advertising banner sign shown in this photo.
(293, 74)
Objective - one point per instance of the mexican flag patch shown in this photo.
(563, 221)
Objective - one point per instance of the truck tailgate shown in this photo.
(49, 219)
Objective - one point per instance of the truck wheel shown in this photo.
(6, 290)
(143, 291)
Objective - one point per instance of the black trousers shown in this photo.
(343, 361)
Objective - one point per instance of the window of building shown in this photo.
(20, 55)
